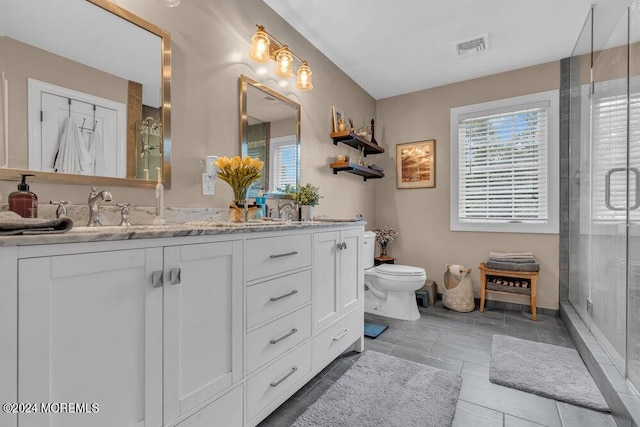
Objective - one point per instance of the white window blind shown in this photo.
(504, 175)
(284, 160)
(503, 167)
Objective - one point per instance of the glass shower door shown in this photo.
(579, 171)
(609, 176)
(633, 271)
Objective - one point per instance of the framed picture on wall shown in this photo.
(416, 164)
(338, 117)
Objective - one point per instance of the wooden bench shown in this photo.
(530, 276)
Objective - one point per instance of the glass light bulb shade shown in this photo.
(284, 63)
(259, 47)
(304, 77)
(170, 3)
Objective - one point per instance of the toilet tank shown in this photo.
(368, 249)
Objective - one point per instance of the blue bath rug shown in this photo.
(372, 330)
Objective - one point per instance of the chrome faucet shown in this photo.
(287, 207)
(95, 199)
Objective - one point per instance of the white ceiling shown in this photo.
(393, 47)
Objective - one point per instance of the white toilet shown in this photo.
(389, 288)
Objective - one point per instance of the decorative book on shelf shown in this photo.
(354, 168)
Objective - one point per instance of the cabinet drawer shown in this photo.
(274, 380)
(269, 299)
(273, 255)
(337, 338)
(271, 340)
(224, 411)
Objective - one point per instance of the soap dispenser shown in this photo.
(24, 202)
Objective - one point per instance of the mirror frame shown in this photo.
(165, 39)
(244, 83)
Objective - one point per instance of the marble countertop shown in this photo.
(200, 228)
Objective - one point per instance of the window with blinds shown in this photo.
(502, 168)
(283, 162)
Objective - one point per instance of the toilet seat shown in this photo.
(395, 270)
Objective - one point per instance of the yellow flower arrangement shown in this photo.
(239, 173)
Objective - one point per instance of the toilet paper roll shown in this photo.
(457, 271)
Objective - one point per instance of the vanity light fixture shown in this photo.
(264, 47)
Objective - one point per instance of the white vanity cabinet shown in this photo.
(197, 331)
(90, 331)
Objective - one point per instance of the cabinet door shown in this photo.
(326, 270)
(203, 323)
(90, 331)
(351, 271)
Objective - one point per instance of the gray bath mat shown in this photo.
(382, 390)
(544, 369)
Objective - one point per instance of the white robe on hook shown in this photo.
(96, 151)
(73, 156)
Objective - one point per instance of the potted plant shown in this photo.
(306, 197)
(384, 236)
(239, 173)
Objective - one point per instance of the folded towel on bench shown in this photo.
(498, 255)
(11, 223)
(513, 266)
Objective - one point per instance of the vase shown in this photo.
(237, 211)
(306, 213)
(383, 248)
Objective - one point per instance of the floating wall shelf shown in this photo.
(364, 172)
(357, 142)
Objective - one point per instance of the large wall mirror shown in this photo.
(270, 130)
(85, 94)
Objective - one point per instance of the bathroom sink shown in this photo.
(222, 224)
(123, 229)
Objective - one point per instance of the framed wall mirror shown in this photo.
(270, 130)
(85, 94)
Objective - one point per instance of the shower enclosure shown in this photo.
(148, 148)
(604, 179)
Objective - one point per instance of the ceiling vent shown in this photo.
(472, 46)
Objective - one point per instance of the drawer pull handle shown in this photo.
(277, 340)
(291, 372)
(344, 245)
(345, 332)
(339, 246)
(293, 292)
(286, 254)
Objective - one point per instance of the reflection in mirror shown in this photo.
(270, 130)
(85, 95)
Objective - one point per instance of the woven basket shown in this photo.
(458, 290)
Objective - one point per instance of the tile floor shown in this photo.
(460, 342)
